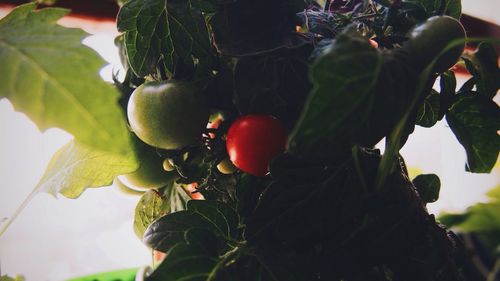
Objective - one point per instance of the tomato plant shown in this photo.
(253, 141)
(167, 115)
(334, 208)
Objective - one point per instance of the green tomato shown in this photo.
(429, 39)
(150, 173)
(226, 167)
(167, 115)
(168, 165)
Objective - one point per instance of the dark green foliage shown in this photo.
(251, 27)
(428, 187)
(483, 66)
(344, 75)
(215, 216)
(273, 84)
(475, 121)
(164, 37)
(428, 113)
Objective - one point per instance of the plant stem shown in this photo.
(327, 5)
(365, 16)
(492, 276)
(18, 211)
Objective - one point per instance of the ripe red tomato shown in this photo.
(253, 141)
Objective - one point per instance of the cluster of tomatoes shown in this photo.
(173, 115)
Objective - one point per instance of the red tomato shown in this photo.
(253, 141)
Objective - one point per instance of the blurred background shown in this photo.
(59, 238)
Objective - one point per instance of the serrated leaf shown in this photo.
(150, 207)
(274, 85)
(343, 77)
(428, 187)
(166, 32)
(243, 28)
(428, 113)
(75, 167)
(48, 74)
(215, 216)
(189, 262)
(475, 121)
(223, 219)
(169, 230)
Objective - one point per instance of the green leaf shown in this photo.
(188, 262)
(150, 207)
(451, 8)
(48, 74)
(177, 198)
(484, 67)
(275, 85)
(428, 187)
(448, 85)
(154, 205)
(452, 219)
(482, 217)
(75, 167)
(494, 193)
(245, 28)
(215, 216)
(223, 218)
(163, 32)
(169, 230)
(428, 113)
(206, 6)
(475, 121)
(343, 77)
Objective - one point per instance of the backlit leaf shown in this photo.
(48, 74)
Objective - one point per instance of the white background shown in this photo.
(54, 239)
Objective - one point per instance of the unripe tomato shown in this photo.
(226, 167)
(253, 141)
(168, 115)
(150, 173)
(168, 165)
(427, 40)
